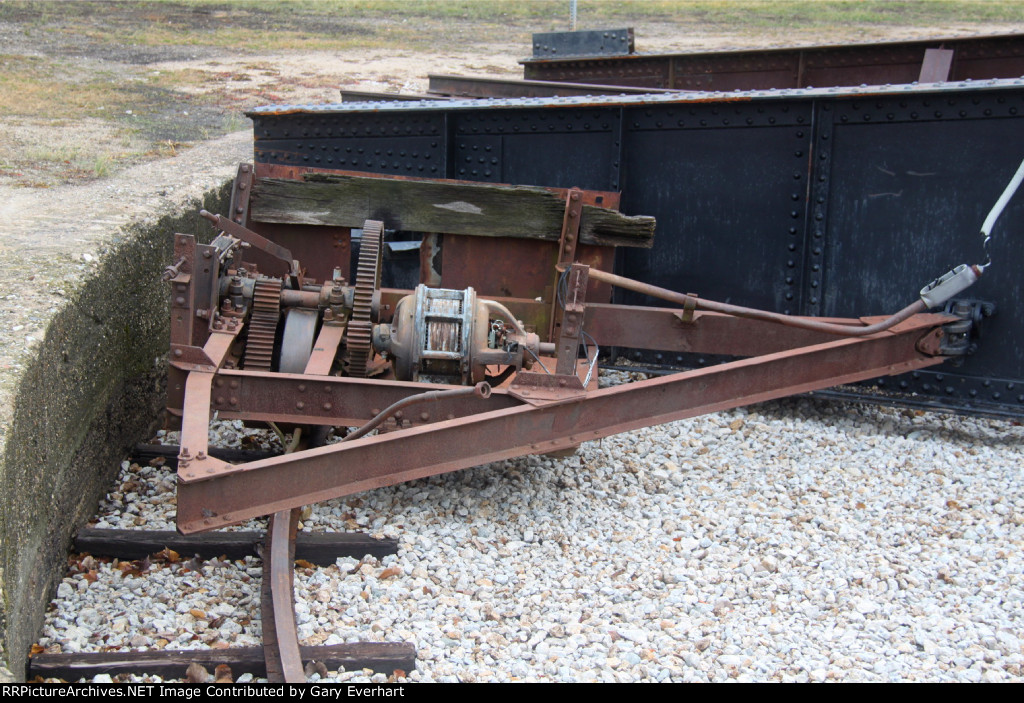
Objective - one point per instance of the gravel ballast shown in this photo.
(796, 540)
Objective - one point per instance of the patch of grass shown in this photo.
(315, 25)
(102, 166)
(66, 162)
(236, 122)
(753, 12)
(34, 86)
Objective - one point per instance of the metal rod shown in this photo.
(841, 330)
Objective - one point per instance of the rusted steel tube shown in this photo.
(851, 330)
(302, 298)
(480, 390)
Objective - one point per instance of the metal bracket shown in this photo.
(960, 338)
(689, 305)
(240, 190)
(188, 358)
(181, 290)
(596, 42)
(575, 309)
(566, 250)
(570, 227)
(546, 389)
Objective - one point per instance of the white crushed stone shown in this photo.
(801, 540)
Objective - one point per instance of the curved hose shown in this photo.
(997, 210)
(480, 390)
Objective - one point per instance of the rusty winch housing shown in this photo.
(451, 336)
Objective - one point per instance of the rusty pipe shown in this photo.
(304, 298)
(751, 313)
(480, 390)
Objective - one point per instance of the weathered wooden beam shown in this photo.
(384, 657)
(475, 209)
(321, 548)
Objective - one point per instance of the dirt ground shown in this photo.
(108, 95)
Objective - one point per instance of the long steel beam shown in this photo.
(973, 58)
(222, 494)
(449, 86)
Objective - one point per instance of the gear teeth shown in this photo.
(266, 313)
(360, 326)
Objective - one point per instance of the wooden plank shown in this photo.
(936, 65)
(433, 206)
(321, 548)
(384, 657)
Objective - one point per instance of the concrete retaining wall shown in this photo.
(93, 389)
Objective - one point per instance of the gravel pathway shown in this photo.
(795, 540)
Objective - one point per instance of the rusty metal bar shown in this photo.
(325, 349)
(247, 235)
(845, 330)
(664, 329)
(236, 493)
(328, 400)
(195, 428)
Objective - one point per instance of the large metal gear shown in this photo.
(360, 326)
(266, 313)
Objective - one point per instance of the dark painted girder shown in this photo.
(834, 202)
